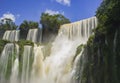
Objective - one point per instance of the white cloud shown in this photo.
(64, 2)
(51, 12)
(9, 16)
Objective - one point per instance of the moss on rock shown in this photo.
(2, 44)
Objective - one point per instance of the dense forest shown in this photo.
(50, 25)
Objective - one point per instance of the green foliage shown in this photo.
(79, 49)
(90, 40)
(7, 24)
(28, 25)
(10, 63)
(2, 44)
(108, 15)
(21, 44)
(101, 53)
(25, 42)
(53, 22)
(25, 26)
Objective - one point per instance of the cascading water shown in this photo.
(78, 67)
(14, 75)
(9, 54)
(58, 67)
(79, 30)
(12, 35)
(38, 64)
(34, 35)
(15, 67)
(26, 64)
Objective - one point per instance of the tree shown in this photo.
(6, 24)
(103, 64)
(51, 23)
(108, 15)
(25, 26)
(108, 29)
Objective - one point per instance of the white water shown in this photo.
(7, 51)
(12, 35)
(7, 57)
(15, 70)
(77, 65)
(38, 70)
(79, 30)
(34, 36)
(26, 64)
(15, 67)
(58, 67)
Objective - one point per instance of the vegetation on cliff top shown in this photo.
(51, 24)
(102, 52)
(25, 26)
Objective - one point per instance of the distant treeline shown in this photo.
(50, 25)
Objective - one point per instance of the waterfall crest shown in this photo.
(78, 30)
(34, 35)
(12, 35)
(57, 67)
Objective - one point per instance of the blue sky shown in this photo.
(20, 10)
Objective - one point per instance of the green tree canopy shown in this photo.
(108, 15)
(53, 22)
(25, 26)
(7, 24)
(50, 25)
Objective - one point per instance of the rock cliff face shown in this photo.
(100, 60)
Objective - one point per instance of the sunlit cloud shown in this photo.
(8, 16)
(51, 12)
(64, 2)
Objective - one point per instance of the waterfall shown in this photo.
(34, 35)
(26, 64)
(14, 75)
(15, 68)
(78, 30)
(32, 66)
(12, 35)
(6, 60)
(77, 67)
(38, 64)
(57, 68)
